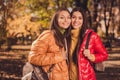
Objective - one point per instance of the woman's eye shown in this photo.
(73, 17)
(61, 17)
(80, 17)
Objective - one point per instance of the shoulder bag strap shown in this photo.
(38, 70)
(51, 68)
(87, 41)
(38, 67)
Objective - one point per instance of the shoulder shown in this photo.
(89, 30)
(93, 33)
(44, 37)
(46, 34)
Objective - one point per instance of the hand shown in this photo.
(87, 54)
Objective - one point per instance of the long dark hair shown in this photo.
(59, 37)
(81, 33)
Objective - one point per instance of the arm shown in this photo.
(39, 54)
(100, 51)
(99, 54)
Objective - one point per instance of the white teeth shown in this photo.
(76, 24)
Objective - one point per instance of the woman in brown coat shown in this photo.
(50, 47)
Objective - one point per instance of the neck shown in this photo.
(75, 32)
(62, 30)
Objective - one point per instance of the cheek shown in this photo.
(72, 21)
(59, 22)
(82, 21)
(69, 20)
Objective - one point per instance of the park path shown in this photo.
(112, 65)
(12, 62)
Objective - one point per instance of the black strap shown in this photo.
(87, 41)
(51, 68)
(39, 73)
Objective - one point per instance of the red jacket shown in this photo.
(85, 69)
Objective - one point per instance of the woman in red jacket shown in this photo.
(80, 59)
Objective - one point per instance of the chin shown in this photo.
(76, 27)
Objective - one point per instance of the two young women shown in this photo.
(71, 61)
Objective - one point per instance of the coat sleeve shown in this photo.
(39, 54)
(100, 51)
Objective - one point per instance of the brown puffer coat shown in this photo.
(45, 52)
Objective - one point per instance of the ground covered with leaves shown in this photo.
(12, 62)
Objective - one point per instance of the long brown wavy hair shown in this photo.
(81, 33)
(59, 37)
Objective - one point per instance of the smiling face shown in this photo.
(77, 19)
(64, 19)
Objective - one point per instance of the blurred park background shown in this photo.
(21, 21)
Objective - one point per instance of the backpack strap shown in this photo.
(51, 68)
(39, 73)
(87, 41)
